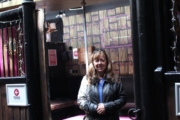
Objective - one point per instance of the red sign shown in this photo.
(52, 57)
(16, 92)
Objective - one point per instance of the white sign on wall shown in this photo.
(16, 95)
(75, 53)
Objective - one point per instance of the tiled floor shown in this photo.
(80, 117)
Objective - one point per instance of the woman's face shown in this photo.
(100, 64)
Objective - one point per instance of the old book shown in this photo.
(97, 45)
(123, 56)
(80, 27)
(95, 28)
(105, 25)
(114, 56)
(94, 13)
(123, 37)
(129, 36)
(72, 20)
(111, 12)
(95, 18)
(113, 26)
(106, 37)
(128, 24)
(115, 66)
(65, 21)
(121, 22)
(89, 41)
(74, 42)
(127, 10)
(102, 14)
(107, 50)
(79, 18)
(96, 39)
(130, 57)
(129, 50)
(88, 17)
(89, 29)
(66, 29)
(80, 34)
(66, 36)
(114, 38)
(112, 19)
(122, 68)
(120, 10)
(81, 42)
(126, 68)
(112, 23)
(73, 32)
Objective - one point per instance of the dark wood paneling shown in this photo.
(171, 101)
(1, 113)
(4, 103)
(9, 112)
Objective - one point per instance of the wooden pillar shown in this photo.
(32, 68)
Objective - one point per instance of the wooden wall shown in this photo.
(9, 112)
(170, 90)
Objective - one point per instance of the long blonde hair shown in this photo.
(92, 74)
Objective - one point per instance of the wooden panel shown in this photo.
(4, 103)
(8, 112)
(171, 101)
(44, 85)
(1, 113)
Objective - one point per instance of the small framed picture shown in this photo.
(16, 95)
(177, 98)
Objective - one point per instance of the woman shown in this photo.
(101, 94)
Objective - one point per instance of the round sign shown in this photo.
(16, 92)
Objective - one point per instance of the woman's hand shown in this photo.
(100, 109)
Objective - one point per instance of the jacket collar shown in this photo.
(107, 78)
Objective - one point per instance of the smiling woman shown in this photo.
(101, 94)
